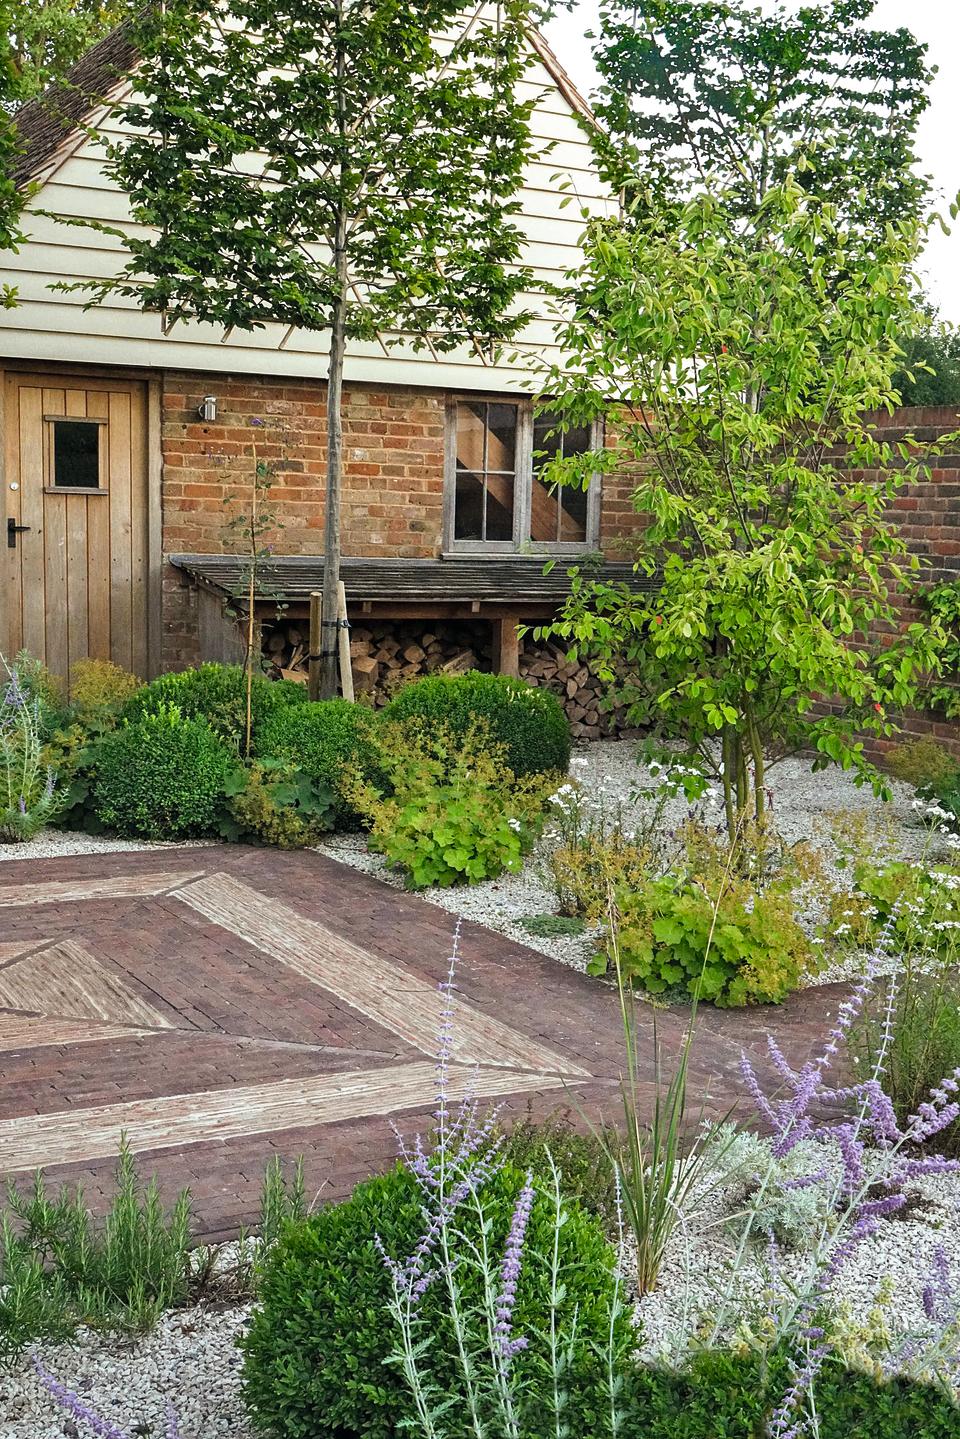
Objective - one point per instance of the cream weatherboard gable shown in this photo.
(51, 325)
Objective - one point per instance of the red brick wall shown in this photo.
(927, 515)
(393, 486)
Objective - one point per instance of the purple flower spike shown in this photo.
(75, 1406)
(510, 1273)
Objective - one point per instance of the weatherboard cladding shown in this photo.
(51, 325)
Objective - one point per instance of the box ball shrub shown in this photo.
(218, 694)
(162, 776)
(316, 1350)
(529, 722)
(323, 739)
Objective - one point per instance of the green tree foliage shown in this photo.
(739, 370)
(48, 36)
(330, 165)
(929, 372)
(11, 199)
(726, 92)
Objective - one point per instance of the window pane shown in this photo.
(499, 507)
(543, 513)
(468, 515)
(76, 454)
(502, 438)
(573, 519)
(471, 420)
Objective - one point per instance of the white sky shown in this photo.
(937, 24)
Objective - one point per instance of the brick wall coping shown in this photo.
(501, 580)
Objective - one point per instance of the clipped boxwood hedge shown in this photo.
(322, 738)
(316, 1350)
(161, 777)
(529, 722)
(217, 694)
(733, 1396)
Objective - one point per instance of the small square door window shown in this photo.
(76, 454)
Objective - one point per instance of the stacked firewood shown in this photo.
(580, 690)
(386, 654)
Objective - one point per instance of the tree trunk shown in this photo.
(331, 539)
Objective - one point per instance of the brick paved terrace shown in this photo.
(219, 1006)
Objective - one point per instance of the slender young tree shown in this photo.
(330, 165)
(721, 94)
(46, 37)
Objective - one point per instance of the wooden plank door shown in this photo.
(74, 575)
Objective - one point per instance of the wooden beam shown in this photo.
(506, 647)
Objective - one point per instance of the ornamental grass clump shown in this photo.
(30, 796)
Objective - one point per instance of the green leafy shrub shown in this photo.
(99, 689)
(453, 812)
(326, 740)
(732, 947)
(922, 763)
(59, 1269)
(218, 694)
(274, 802)
(162, 776)
(582, 1161)
(528, 722)
(920, 902)
(42, 689)
(727, 1394)
(943, 603)
(317, 1350)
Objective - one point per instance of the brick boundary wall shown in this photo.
(927, 515)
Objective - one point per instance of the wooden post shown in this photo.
(343, 640)
(506, 647)
(316, 630)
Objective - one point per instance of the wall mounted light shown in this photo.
(208, 409)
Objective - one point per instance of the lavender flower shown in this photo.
(510, 1273)
(69, 1400)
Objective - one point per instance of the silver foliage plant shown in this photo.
(29, 798)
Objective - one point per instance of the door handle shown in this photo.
(13, 529)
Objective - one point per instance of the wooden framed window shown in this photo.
(495, 501)
(76, 453)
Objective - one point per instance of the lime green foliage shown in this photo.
(746, 949)
(315, 1356)
(217, 694)
(732, 1394)
(274, 802)
(59, 1268)
(587, 1175)
(943, 604)
(546, 926)
(99, 690)
(162, 776)
(449, 810)
(324, 740)
(923, 763)
(719, 923)
(717, 351)
(529, 722)
(920, 901)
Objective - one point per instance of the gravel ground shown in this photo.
(889, 1268)
(59, 843)
(609, 774)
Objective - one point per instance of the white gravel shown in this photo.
(886, 1271)
(190, 1360)
(60, 843)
